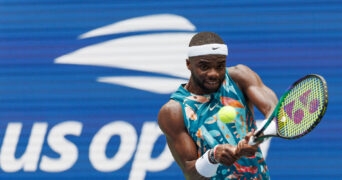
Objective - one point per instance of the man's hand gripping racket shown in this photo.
(298, 111)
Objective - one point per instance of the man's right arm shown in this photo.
(182, 147)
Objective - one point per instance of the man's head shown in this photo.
(207, 62)
(205, 38)
(207, 43)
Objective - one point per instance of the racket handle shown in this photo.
(252, 141)
(271, 130)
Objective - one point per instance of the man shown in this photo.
(202, 145)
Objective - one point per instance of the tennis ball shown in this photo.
(227, 114)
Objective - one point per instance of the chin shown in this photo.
(211, 89)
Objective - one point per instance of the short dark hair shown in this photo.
(205, 38)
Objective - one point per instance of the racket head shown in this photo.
(302, 107)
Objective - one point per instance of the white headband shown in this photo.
(207, 49)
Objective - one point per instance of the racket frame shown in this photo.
(259, 136)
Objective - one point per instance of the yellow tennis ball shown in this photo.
(227, 114)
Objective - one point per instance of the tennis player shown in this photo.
(203, 146)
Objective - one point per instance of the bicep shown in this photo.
(256, 92)
(182, 147)
(262, 97)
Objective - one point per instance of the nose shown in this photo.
(213, 73)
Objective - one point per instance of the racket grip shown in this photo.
(252, 141)
(271, 129)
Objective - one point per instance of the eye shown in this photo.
(203, 66)
(221, 66)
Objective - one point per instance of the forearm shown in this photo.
(200, 168)
(206, 165)
(188, 160)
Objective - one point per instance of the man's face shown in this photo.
(207, 72)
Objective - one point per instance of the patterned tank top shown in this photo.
(201, 121)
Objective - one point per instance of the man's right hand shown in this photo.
(244, 148)
(225, 154)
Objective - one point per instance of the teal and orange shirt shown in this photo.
(203, 125)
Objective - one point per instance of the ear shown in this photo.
(188, 63)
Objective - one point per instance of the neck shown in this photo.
(189, 87)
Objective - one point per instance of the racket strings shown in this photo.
(301, 108)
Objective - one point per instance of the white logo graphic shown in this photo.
(213, 107)
(161, 53)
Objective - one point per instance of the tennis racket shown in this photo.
(298, 111)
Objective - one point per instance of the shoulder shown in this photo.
(243, 75)
(170, 116)
(170, 107)
(239, 71)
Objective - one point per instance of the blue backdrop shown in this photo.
(82, 81)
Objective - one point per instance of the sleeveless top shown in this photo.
(205, 128)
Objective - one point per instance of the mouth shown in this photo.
(212, 84)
